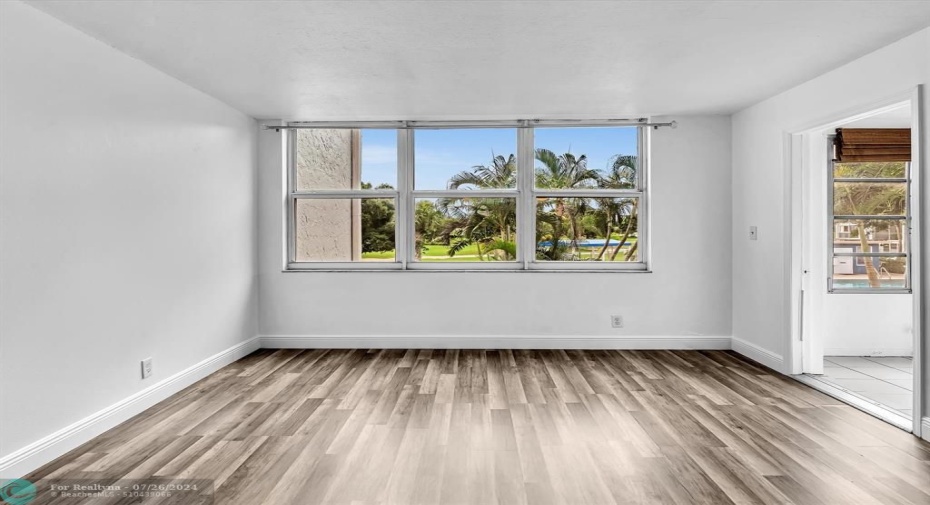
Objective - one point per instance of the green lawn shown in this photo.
(436, 252)
(384, 255)
(433, 252)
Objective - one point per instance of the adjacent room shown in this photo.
(858, 303)
(464, 252)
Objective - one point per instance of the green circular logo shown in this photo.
(17, 492)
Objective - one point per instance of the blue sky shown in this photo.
(439, 154)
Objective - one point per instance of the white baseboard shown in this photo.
(876, 353)
(925, 428)
(490, 342)
(758, 354)
(43, 451)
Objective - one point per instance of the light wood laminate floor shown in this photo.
(511, 427)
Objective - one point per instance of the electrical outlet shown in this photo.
(146, 368)
(753, 233)
(616, 321)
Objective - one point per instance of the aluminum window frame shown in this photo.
(294, 195)
(525, 194)
(640, 193)
(413, 194)
(832, 221)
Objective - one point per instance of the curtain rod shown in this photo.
(520, 123)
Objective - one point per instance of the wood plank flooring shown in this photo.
(510, 427)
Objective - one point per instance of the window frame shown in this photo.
(642, 218)
(525, 194)
(293, 194)
(860, 257)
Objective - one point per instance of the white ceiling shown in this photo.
(319, 60)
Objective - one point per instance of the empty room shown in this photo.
(464, 252)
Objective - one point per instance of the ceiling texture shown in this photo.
(345, 60)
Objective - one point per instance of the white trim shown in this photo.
(857, 112)
(870, 407)
(491, 342)
(526, 207)
(410, 124)
(758, 354)
(869, 351)
(798, 281)
(916, 242)
(794, 165)
(791, 235)
(925, 429)
(45, 450)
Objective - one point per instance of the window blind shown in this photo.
(872, 144)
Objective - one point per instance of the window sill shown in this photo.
(888, 291)
(473, 270)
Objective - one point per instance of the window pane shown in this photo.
(878, 272)
(870, 198)
(587, 229)
(344, 229)
(346, 159)
(466, 229)
(480, 158)
(875, 235)
(872, 236)
(871, 170)
(568, 158)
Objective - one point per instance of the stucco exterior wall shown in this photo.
(327, 229)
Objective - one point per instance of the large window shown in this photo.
(485, 197)
(870, 216)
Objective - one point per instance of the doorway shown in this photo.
(857, 328)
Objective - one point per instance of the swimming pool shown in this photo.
(864, 283)
(588, 242)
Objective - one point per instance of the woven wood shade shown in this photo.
(872, 144)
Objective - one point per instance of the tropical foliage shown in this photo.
(377, 216)
(468, 228)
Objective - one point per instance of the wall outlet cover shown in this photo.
(146, 368)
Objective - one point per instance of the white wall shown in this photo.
(760, 268)
(868, 325)
(688, 294)
(127, 225)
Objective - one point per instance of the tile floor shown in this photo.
(886, 380)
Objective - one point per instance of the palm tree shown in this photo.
(478, 221)
(566, 171)
(620, 175)
(867, 198)
(563, 171)
(556, 248)
(500, 174)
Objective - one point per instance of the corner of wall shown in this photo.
(256, 227)
(758, 354)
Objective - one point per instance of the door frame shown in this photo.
(796, 161)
